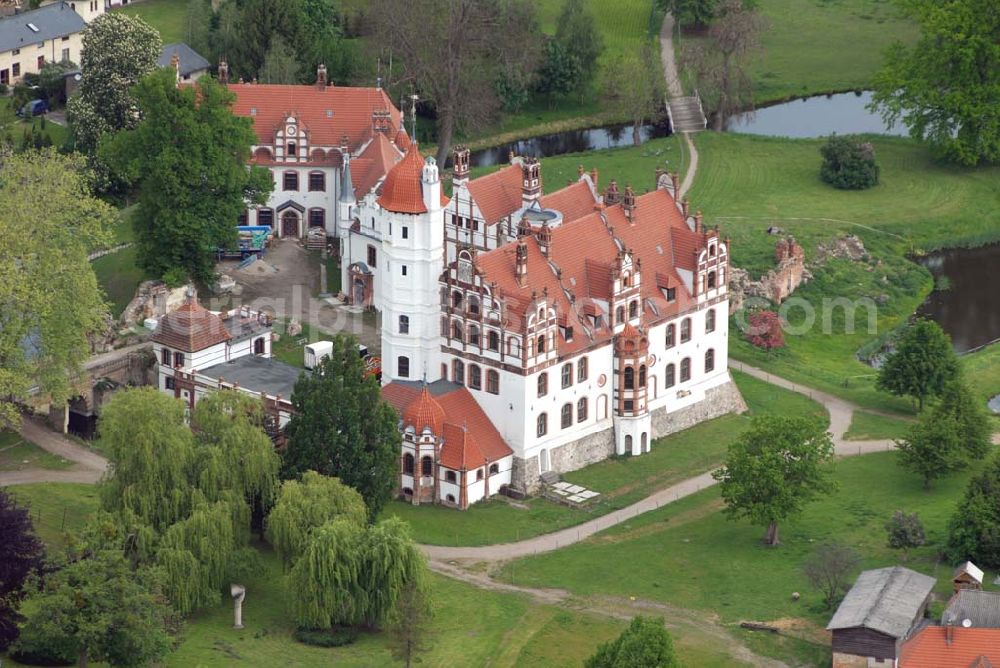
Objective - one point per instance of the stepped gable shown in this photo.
(191, 328)
(373, 163)
(574, 201)
(424, 412)
(402, 190)
(330, 112)
(498, 194)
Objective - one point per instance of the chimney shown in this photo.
(628, 202)
(321, 77)
(460, 166)
(611, 195)
(656, 179)
(544, 237)
(223, 72)
(685, 207)
(381, 121)
(697, 222)
(531, 181)
(676, 180)
(949, 632)
(521, 266)
(175, 62)
(579, 171)
(344, 145)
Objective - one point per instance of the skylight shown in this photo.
(33, 27)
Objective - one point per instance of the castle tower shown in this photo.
(460, 168)
(531, 181)
(413, 255)
(633, 427)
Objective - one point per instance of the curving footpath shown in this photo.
(674, 89)
(88, 465)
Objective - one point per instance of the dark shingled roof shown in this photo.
(257, 374)
(982, 608)
(887, 600)
(191, 61)
(52, 21)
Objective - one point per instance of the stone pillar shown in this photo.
(238, 592)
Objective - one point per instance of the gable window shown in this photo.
(475, 377)
(403, 367)
(710, 321)
(541, 425)
(493, 341)
(581, 369)
(543, 384)
(566, 416)
(709, 360)
(670, 377)
(671, 294)
(581, 410)
(317, 182)
(685, 330)
(685, 369)
(567, 375)
(291, 149)
(671, 332)
(474, 305)
(492, 382)
(290, 181)
(404, 324)
(540, 344)
(711, 280)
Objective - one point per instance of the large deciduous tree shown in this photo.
(21, 555)
(49, 297)
(921, 365)
(644, 644)
(453, 53)
(171, 485)
(570, 59)
(697, 13)
(774, 468)
(633, 86)
(189, 158)
(409, 621)
(97, 609)
(118, 50)
(721, 62)
(343, 428)
(946, 87)
(974, 530)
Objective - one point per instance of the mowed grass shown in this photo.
(17, 454)
(867, 426)
(167, 16)
(692, 555)
(620, 480)
(57, 508)
(982, 371)
(57, 133)
(119, 276)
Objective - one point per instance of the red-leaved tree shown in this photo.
(765, 330)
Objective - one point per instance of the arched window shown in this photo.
(711, 250)
(451, 477)
(426, 466)
(711, 280)
(602, 407)
(458, 372)
(567, 375)
(492, 382)
(404, 324)
(541, 314)
(451, 497)
(403, 367)
(456, 299)
(259, 346)
(642, 376)
(710, 320)
(473, 335)
(290, 181)
(671, 333)
(543, 384)
(513, 347)
(644, 440)
(408, 464)
(540, 344)
(581, 410)
(628, 444)
(566, 416)
(629, 378)
(456, 331)
(493, 341)
(581, 369)
(619, 315)
(709, 360)
(475, 377)
(633, 310)
(685, 369)
(479, 474)
(494, 469)
(542, 425)
(627, 279)
(685, 330)
(670, 376)
(474, 305)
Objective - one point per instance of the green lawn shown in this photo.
(982, 371)
(17, 454)
(118, 276)
(689, 554)
(867, 426)
(57, 507)
(167, 16)
(620, 480)
(57, 133)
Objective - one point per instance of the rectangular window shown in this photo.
(41, 62)
(165, 357)
(178, 359)
(628, 405)
(15, 69)
(406, 232)
(371, 256)
(65, 54)
(317, 218)
(404, 270)
(475, 379)
(168, 383)
(317, 182)
(685, 330)
(291, 181)
(4, 77)
(671, 294)
(265, 217)
(493, 382)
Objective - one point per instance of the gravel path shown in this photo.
(674, 89)
(88, 467)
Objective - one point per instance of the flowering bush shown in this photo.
(765, 330)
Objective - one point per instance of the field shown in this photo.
(57, 507)
(17, 454)
(727, 571)
(620, 480)
(982, 371)
(167, 16)
(871, 426)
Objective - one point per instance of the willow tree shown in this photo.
(181, 497)
(306, 505)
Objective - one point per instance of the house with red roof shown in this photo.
(325, 145)
(951, 647)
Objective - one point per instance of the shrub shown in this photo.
(849, 163)
(905, 531)
(338, 636)
(765, 330)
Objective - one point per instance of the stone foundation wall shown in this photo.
(590, 449)
(718, 401)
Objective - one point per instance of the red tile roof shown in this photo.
(402, 190)
(498, 194)
(373, 163)
(460, 451)
(191, 328)
(402, 139)
(327, 113)
(969, 648)
(423, 413)
(574, 201)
